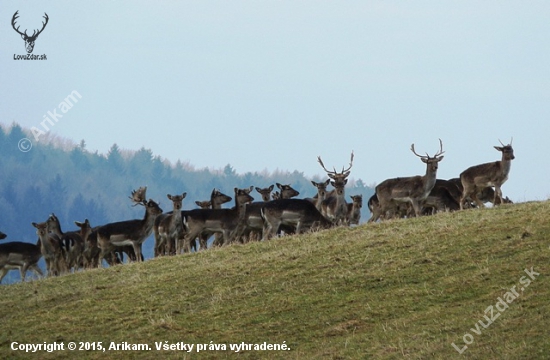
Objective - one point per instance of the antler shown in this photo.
(414, 152)
(440, 149)
(138, 196)
(43, 24)
(15, 16)
(323, 165)
(350, 164)
(428, 156)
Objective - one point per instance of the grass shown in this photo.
(399, 289)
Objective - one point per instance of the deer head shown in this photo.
(29, 40)
(139, 196)
(506, 150)
(431, 161)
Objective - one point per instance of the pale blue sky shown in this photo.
(272, 84)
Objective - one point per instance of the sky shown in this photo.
(271, 85)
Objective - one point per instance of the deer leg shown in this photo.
(3, 273)
(498, 196)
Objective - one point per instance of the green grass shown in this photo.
(399, 289)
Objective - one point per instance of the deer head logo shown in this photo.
(29, 40)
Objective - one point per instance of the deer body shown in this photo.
(296, 213)
(354, 209)
(71, 241)
(51, 249)
(169, 227)
(21, 256)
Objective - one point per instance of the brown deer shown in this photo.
(130, 232)
(354, 209)
(71, 241)
(252, 224)
(169, 227)
(299, 214)
(445, 196)
(476, 178)
(413, 190)
(19, 255)
(214, 220)
(51, 249)
(217, 199)
(335, 207)
(321, 195)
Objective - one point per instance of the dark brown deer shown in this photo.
(335, 207)
(169, 227)
(29, 40)
(214, 220)
(217, 199)
(445, 196)
(476, 178)
(413, 190)
(86, 256)
(130, 232)
(19, 255)
(299, 214)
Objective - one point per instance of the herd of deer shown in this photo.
(180, 231)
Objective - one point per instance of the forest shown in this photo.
(62, 177)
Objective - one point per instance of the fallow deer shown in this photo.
(265, 192)
(19, 255)
(169, 227)
(214, 220)
(71, 241)
(413, 190)
(51, 249)
(252, 224)
(335, 207)
(354, 209)
(445, 196)
(299, 214)
(85, 231)
(217, 199)
(476, 178)
(130, 232)
(321, 195)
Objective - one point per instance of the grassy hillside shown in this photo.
(400, 289)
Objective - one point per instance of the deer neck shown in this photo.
(505, 165)
(429, 179)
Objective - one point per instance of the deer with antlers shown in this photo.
(476, 178)
(29, 40)
(130, 232)
(335, 207)
(413, 190)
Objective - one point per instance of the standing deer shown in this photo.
(321, 195)
(335, 207)
(354, 209)
(71, 242)
(169, 227)
(214, 220)
(51, 249)
(130, 232)
(19, 255)
(265, 192)
(217, 199)
(476, 178)
(413, 190)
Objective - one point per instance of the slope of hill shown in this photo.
(423, 288)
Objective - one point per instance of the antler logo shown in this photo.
(29, 40)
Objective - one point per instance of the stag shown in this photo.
(476, 178)
(29, 40)
(335, 207)
(413, 190)
(19, 255)
(130, 232)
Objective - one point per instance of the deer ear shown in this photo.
(499, 148)
(424, 160)
(314, 183)
(279, 185)
(169, 196)
(183, 195)
(440, 158)
(327, 182)
(271, 187)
